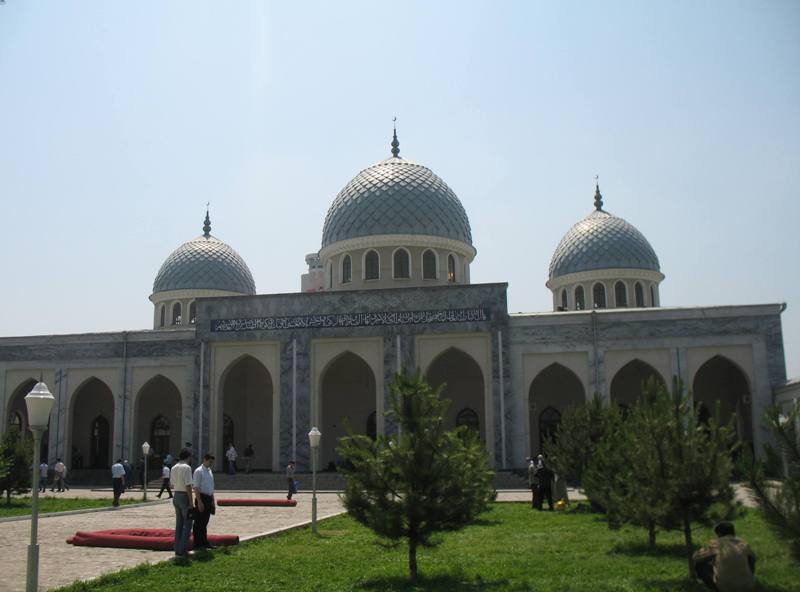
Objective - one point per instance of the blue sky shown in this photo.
(119, 121)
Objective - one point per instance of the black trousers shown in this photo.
(119, 488)
(544, 492)
(165, 485)
(705, 572)
(200, 526)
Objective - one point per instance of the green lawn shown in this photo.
(21, 506)
(511, 548)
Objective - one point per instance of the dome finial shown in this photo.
(598, 198)
(207, 224)
(395, 143)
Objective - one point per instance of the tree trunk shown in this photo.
(412, 560)
(687, 535)
(651, 531)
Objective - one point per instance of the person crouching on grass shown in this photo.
(727, 564)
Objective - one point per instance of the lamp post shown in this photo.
(145, 451)
(39, 403)
(314, 437)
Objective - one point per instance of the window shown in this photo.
(467, 417)
(639, 291)
(620, 294)
(652, 296)
(563, 300)
(176, 313)
(372, 266)
(330, 276)
(192, 313)
(401, 265)
(163, 315)
(429, 265)
(451, 268)
(159, 435)
(549, 421)
(599, 294)
(580, 298)
(347, 269)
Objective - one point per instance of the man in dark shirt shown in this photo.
(545, 477)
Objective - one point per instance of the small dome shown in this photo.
(602, 241)
(206, 263)
(396, 196)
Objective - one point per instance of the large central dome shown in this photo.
(396, 196)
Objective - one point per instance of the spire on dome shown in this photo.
(598, 198)
(395, 143)
(207, 224)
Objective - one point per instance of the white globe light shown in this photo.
(314, 437)
(39, 403)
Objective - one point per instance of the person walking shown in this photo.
(58, 476)
(117, 481)
(533, 481)
(165, 481)
(231, 455)
(545, 477)
(727, 564)
(181, 478)
(290, 479)
(43, 469)
(203, 485)
(248, 458)
(128, 474)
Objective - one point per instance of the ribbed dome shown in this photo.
(207, 263)
(396, 196)
(602, 241)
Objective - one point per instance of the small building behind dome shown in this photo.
(604, 262)
(395, 224)
(202, 267)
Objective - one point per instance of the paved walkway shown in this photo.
(61, 564)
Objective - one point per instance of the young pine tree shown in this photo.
(420, 482)
(779, 498)
(16, 454)
(581, 429)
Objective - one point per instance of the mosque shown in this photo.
(389, 289)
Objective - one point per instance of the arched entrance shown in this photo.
(464, 387)
(17, 415)
(348, 394)
(626, 386)
(554, 390)
(158, 417)
(721, 380)
(247, 411)
(92, 421)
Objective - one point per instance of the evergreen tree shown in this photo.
(779, 498)
(16, 454)
(582, 427)
(424, 480)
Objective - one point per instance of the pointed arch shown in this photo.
(599, 295)
(722, 381)
(430, 265)
(580, 298)
(347, 269)
(193, 312)
(401, 264)
(564, 299)
(626, 386)
(92, 423)
(176, 313)
(620, 294)
(464, 385)
(163, 316)
(558, 388)
(371, 265)
(16, 404)
(639, 291)
(347, 398)
(247, 401)
(451, 269)
(159, 397)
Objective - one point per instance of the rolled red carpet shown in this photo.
(155, 539)
(257, 502)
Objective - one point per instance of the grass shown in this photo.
(511, 548)
(21, 506)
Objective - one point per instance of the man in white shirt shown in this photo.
(181, 478)
(165, 481)
(58, 479)
(203, 486)
(231, 455)
(43, 476)
(117, 480)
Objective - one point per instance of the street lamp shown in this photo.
(39, 402)
(314, 437)
(145, 451)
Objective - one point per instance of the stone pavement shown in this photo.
(61, 564)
